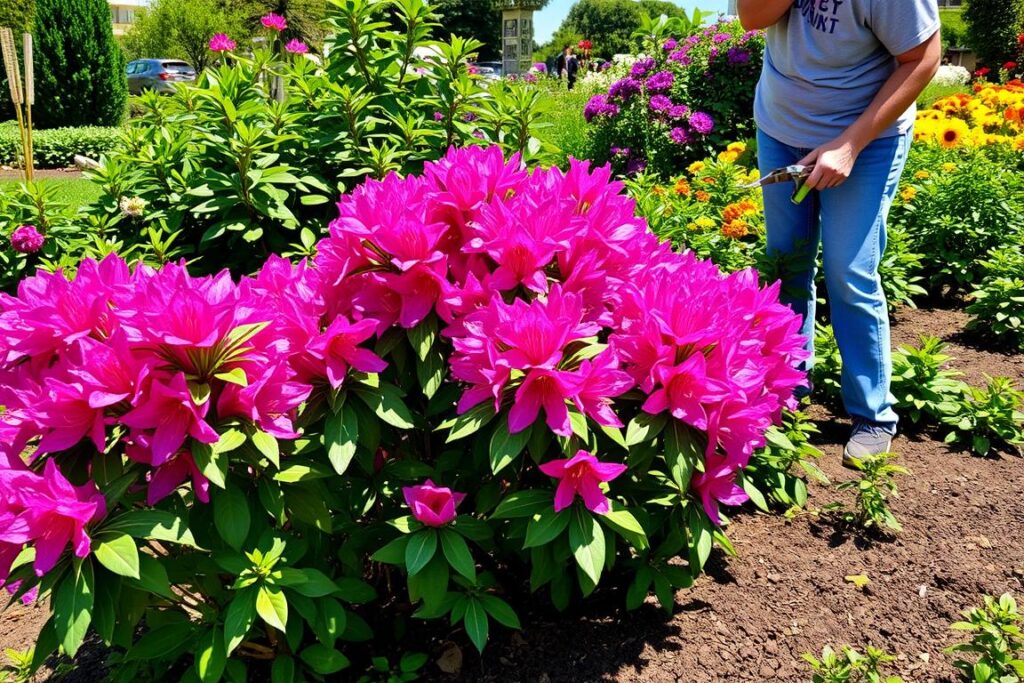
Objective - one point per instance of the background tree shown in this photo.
(79, 67)
(478, 19)
(609, 24)
(305, 17)
(992, 29)
(181, 29)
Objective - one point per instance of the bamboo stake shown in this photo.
(30, 99)
(14, 82)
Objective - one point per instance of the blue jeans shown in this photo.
(849, 223)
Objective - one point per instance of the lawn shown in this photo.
(73, 190)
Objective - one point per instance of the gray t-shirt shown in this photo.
(827, 59)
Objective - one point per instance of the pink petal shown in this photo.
(564, 494)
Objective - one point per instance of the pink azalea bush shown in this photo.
(578, 391)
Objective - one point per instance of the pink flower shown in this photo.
(717, 484)
(222, 43)
(274, 22)
(582, 475)
(339, 348)
(171, 474)
(432, 505)
(269, 401)
(167, 415)
(296, 47)
(47, 511)
(27, 240)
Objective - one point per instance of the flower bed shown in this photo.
(232, 463)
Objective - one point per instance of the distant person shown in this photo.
(568, 66)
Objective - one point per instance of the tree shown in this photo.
(182, 29)
(478, 19)
(79, 67)
(992, 29)
(609, 24)
(305, 17)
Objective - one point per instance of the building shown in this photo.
(122, 13)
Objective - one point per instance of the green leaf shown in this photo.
(213, 464)
(625, 524)
(421, 548)
(469, 422)
(700, 539)
(234, 376)
(500, 610)
(272, 607)
(586, 539)
(756, 497)
(476, 623)
(457, 552)
(231, 516)
(117, 552)
(341, 432)
(72, 606)
(387, 403)
(324, 660)
(239, 618)
(211, 657)
(505, 447)
(317, 584)
(268, 446)
(393, 552)
(160, 641)
(153, 524)
(283, 670)
(430, 584)
(431, 371)
(423, 336)
(545, 526)
(153, 578)
(682, 453)
(523, 504)
(645, 427)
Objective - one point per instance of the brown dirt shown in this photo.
(752, 616)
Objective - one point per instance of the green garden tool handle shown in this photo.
(800, 194)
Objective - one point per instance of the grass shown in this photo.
(567, 131)
(934, 92)
(72, 191)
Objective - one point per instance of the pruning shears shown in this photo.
(798, 174)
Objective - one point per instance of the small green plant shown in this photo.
(997, 644)
(850, 666)
(899, 270)
(407, 669)
(18, 668)
(922, 383)
(770, 477)
(998, 302)
(827, 371)
(989, 418)
(875, 486)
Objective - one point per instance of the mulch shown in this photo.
(753, 616)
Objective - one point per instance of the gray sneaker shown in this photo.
(866, 439)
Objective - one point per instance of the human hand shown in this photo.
(832, 164)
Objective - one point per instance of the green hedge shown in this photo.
(56, 147)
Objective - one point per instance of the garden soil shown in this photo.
(753, 616)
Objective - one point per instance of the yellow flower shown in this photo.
(728, 156)
(705, 222)
(922, 175)
(696, 167)
(753, 175)
(1018, 143)
(951, 133)
(908, 193)
(738, 147)
(948, 167)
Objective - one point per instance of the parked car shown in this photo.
(158, 74)
(490, 69)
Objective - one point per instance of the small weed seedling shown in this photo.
(18, 668)
(850, 666)
(877, 483)
(997, 642)
(407, 669)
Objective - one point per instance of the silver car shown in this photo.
(158, 74)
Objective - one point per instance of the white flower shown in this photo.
(133, 206)
(949, 76)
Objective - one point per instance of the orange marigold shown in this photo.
(682, 187)
(736, 229)
(702, 196)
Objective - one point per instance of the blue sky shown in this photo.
(548, 19)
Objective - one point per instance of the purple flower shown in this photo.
(660, 81)
(712, 53)
(479, 134)
(274, 22)
(660, 103)
(680, 55)
(296, 47)
(438, 116)
(641, 67)
(540, 67)
(529, 78)
(599, 106)
(624, 89)
(669, 44)
(605, 66)
(701, 123)
(679, 111)
(635, 166)
(679, 136)
(27, 240)
(721, 38)
(620, 151)
(469, 116)
(220, 42)
(748, 35)
(738, 55)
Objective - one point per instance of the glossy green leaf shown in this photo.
(586, 539)
(72, 606)
(457, 553)
(421, 548)
(231, 516)
(341, 434)
(117, 552)
(272, 607)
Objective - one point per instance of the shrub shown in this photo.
(875, 486)
(827, 371)
(479, 383)
(233, 172)
(771, 470)
(900, 270)
(79, 67)
(989, 418)
(57, 147)
(998, 302)
(992, 28)
(677, 106)
(922, 383)
(997, 643)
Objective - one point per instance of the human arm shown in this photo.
(759, 14)
(833, 162)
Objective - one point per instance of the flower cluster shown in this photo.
(993, 115)
(670, 106)
(27, 239)
(221, 42)
(556, 299)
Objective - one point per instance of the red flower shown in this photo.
(982, 72)
(1010, 66)
(584, 45)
